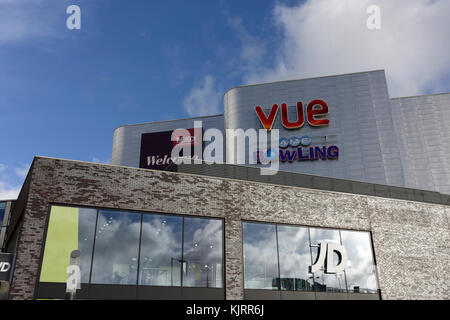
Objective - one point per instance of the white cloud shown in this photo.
(8, 192)
(22, 21)
(22, 171)
(203, 100)
(252, 49)
(326, 37)
(98, 160)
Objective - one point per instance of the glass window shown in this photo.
(260, 256)
(324, 281)
(116, 247)
(2, 212)
(360, 271)
(69, 229)
(295, 258)
(298, 249)
(160, 257)
(202, 253)
(86, 223)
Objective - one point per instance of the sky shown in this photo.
(63, 92)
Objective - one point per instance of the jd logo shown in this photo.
(325, 257)
(4, 266)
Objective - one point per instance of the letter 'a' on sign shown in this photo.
(300, 117)
(267, 122)
(331, 267)
(317, 108)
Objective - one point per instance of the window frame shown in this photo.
(308, 227)
(142, 213)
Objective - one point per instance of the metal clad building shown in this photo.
(230, 249)
(127, 139)
(215, 231)
(423, 127)
(398, 142)
(360, 123)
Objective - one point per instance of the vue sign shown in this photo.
(315, 113)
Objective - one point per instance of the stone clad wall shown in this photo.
(411, 239)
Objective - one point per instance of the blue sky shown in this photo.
(62, 92)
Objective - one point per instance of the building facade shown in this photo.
(127, 142)
(359, 208)
(423, 126)
(396, 142)
(233, 235)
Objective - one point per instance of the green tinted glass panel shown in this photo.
(69, 229)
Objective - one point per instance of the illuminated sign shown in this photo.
(156, 148)
(302, 151)
(6, 266)
(311, 153)
(315, 113)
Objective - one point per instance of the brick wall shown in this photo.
(411, 239)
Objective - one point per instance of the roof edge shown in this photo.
(421, 95)
(308, 78)
(162, 121)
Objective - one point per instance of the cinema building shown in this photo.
(359, 208)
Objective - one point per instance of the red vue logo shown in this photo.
(316, 112)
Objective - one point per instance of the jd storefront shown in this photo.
(146, 234)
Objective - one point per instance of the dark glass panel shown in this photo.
(86, 228)
(116, 247)
(202, 254)
(2, 212)
(160, 259)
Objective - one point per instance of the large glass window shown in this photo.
(360, 271)
(202, 254)
(293, 250)
(116, 247)
(160, 260)
(295, 258)
(133, 248)
(68, 229)
(260, 256)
